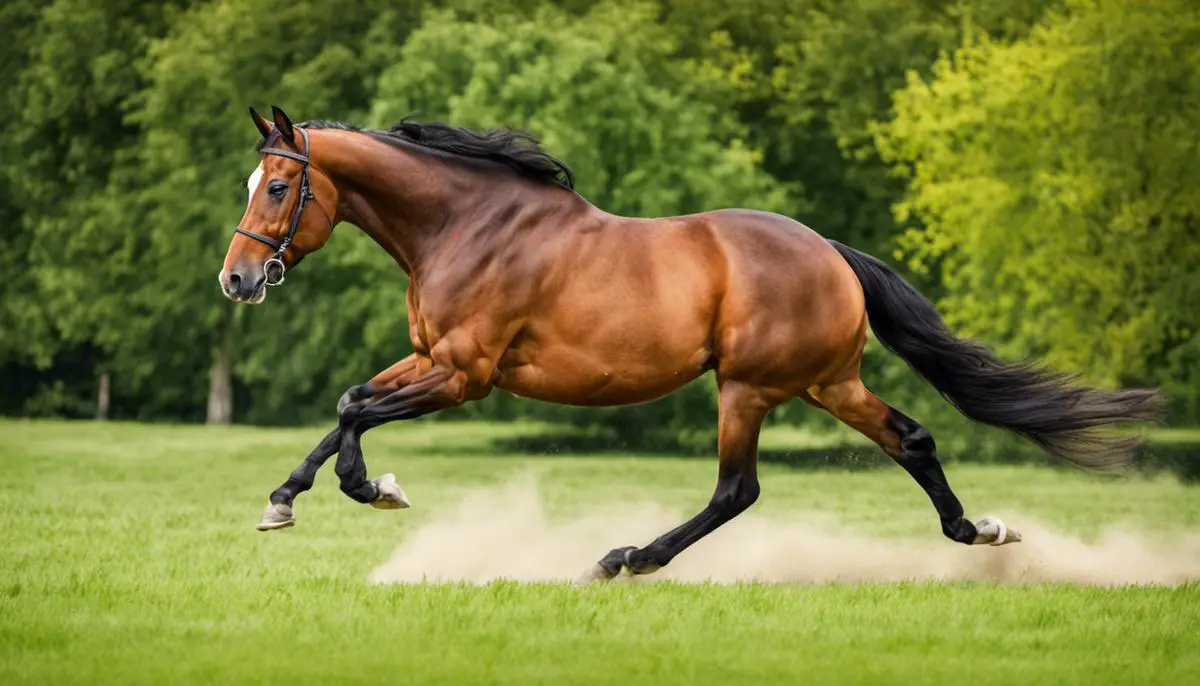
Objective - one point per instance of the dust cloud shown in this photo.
(505, 533)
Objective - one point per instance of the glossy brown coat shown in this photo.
(524, 285)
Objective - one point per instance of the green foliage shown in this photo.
(1055, 185)
(63, 145)
(806, 87)
(1045, 191)
(602, 90)
(18, 306)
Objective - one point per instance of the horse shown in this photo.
(517, 282)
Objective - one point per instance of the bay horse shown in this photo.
(519, 283)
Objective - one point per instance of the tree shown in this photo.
(603, 93)
(807, 86)
(73, 65)
(1055, 183)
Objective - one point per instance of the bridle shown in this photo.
(306, 194)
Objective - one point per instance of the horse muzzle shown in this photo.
(242, 285)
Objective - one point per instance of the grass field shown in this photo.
(128, 555)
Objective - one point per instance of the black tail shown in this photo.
(1066, 419)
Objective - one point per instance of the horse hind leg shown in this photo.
(913, 448)
(742, 410)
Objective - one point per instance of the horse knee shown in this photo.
(350, 416)
(355, 394)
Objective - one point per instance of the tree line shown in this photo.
(1029, 164)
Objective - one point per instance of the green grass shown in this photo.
(128, 555)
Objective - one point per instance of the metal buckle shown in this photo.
(267, 269)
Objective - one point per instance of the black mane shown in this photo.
(517, 150)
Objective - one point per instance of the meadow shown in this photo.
(129, 555)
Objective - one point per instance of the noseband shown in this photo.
(306, 194)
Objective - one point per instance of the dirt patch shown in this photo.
(505, 533)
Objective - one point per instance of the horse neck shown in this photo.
(397, 199)
(411, 202)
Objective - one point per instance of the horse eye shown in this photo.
(277, 189)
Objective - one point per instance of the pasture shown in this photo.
(129, 555)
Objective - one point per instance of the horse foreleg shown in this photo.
(439, 388)
(742, 410)
(279, 513)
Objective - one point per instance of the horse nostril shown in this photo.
(235, 282)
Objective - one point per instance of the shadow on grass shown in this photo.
(1179, 458)
(554, 444)
(844, 458)
(589, 443)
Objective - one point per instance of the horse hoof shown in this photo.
(992, 531)
(595, 573)
(277, 516)
(391, 496)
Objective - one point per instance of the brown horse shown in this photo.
(518, 283)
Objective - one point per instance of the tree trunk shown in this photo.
(220, 379)
(102, 397)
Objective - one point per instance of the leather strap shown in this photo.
(306, 194)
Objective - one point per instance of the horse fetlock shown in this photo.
(645, 566)
(647, 560)
(959, 530)
(366, 492)
(614, 561)
(281, 496)
(636, 560)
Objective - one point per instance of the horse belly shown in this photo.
(631, 320)
(592, 388)
(622, 370)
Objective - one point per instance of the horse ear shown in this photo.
(264, 126)
(284, 125)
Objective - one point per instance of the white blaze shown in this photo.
(252, 183)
